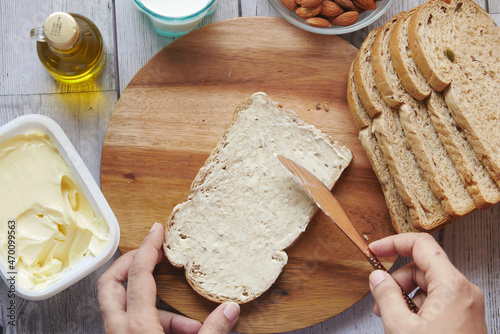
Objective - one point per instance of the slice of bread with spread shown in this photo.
(244, 208)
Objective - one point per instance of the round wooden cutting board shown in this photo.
(174, 112)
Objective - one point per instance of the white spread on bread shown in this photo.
(244, 208)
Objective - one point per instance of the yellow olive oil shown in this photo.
(71, 48)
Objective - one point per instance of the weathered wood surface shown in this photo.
(472, 243)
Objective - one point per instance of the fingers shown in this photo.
(175, 323)
(141, 285)
(427, 254)
(410, 277)
(112, 295)
(387, 294)
(418, 298)
(222, 319)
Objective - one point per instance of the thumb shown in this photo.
(221, 320)
(387, 294)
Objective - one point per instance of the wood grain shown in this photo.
(173, 113)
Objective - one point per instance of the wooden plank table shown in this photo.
(25, 87)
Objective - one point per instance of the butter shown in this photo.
(56, 227)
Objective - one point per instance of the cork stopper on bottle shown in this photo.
(61, 30)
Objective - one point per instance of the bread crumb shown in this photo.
(318, 106)
(325, 106)
(366, 237)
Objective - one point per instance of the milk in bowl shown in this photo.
(174, 18)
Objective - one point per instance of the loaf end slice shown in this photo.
(244, 208)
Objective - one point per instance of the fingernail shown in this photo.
(232, 311)
(155, 225)
(376, 277)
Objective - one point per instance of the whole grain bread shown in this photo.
(398, 211)
(426, 210)
(430, 152)
(456, 45)
(481, 186)
(392, 91)
(433, 158)
(363, 65)
(407, 70)
(244, 208)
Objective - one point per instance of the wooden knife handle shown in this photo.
(375, 262)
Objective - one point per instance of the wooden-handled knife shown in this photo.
(332, 208)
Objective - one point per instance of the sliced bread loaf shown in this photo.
(400, 215)
(481, 186)
(426, 210)
(244, 208)
(431, 154)
(408, 72)
(457, 42)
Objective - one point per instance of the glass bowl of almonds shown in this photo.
(331, 17)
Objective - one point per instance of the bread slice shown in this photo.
(363, 65)
(392, 91)
(434, 160)
(426, 210)
(465, 51)
(400, 215)
(407, 70)
(356, 108)
(481, 186)
(244, 208)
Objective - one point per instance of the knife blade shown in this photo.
(325, 200)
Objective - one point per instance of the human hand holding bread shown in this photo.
(448, 302)
(133, 309)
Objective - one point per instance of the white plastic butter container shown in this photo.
(91, 191)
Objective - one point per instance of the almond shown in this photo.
(306, 13)
(290, 5)
(365, 4)
(330, 9)
(311, 3)
(345, 19)
(346, 4)
(318, 22)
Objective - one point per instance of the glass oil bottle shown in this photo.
(70, 47)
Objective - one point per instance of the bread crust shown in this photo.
(382, 65)
(408, 72)
(435, 75)
(189, 219)
(358, 112)
(362, 61)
